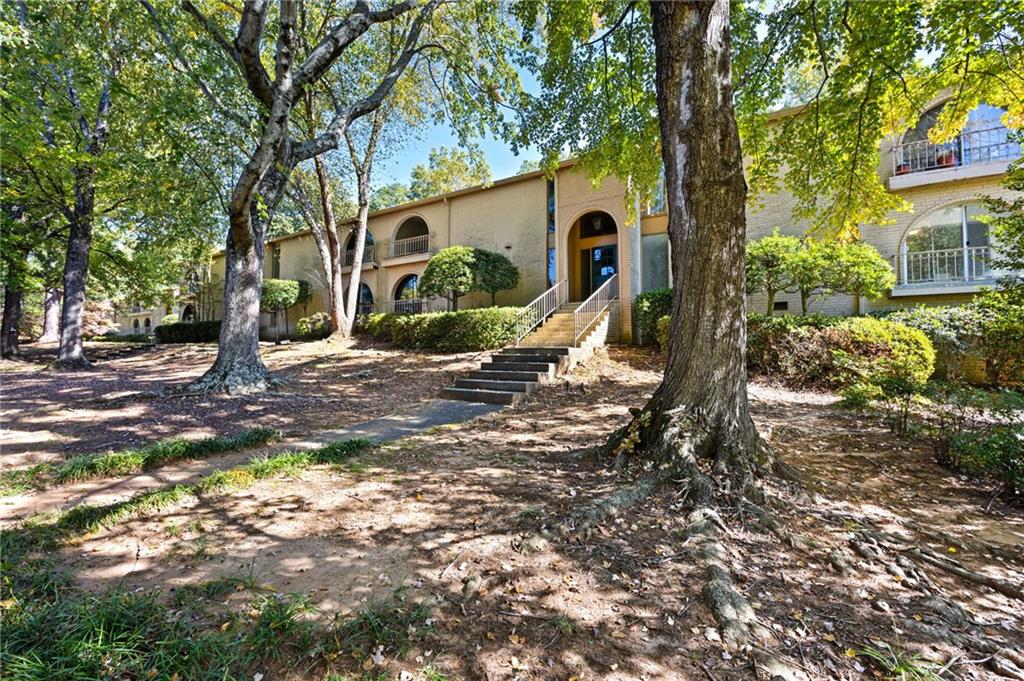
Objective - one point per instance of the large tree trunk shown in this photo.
(700, 412)
(51, 316)
(13, 296)
(359, 248)
(76, 269)
(341, 322)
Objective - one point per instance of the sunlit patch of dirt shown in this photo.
(453, 515)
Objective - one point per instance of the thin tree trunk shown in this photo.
(700, 411)
(51, 316)
(771, 303)
(804, 298)
(340, 321)
(76, 269)
(13, 297)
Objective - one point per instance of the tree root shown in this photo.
(233, 380)
(1002, 586)
(586, 518)
(79, 364)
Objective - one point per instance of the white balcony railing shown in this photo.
(411, 246)
(369, 255)
(412, 306)
(968, 148)
(591, 308)
(949, 266)
(540, 308)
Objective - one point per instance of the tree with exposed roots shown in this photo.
(694, 79)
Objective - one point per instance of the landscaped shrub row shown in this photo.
(314, 327)
(126, 461)
(461, 331)
(188, 332)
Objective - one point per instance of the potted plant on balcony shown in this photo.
(902, 168)
(945, 158)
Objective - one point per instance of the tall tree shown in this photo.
(449, 169)
(261, 183)
(662, 74)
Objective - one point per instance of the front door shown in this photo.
(597, 265)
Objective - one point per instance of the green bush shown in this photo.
(662, 331)
(461, 331)
(889, 350)
(169, 318)
(315, 327)
(955, 333)
(1002, 337)
(122, 338)
(648, 308)
(833, 352)
(188, 332)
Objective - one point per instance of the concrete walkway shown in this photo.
(396, 426)
(416, 419)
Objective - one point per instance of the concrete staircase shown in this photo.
(512, 374)
(547, 352)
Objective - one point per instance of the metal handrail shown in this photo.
(410, 306)
(410, 246)
(542, 307)
(591, 308)
(968, 148)
(943, 266)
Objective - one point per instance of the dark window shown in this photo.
(350, 245)
(552, 265)
(412, 227)
(364, 305)
(135, 324)
(407, 288)
(147, 324)
(275, 263)
(781, 306)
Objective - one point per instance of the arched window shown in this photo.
(135, 324)
(407, 295)
(188, 313)
(364, 304)
(147, 324)
(411, 228)
(947, 246)
(350, 248)
(983, 139)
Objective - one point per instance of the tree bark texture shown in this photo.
(341, 324)
(76, 269)
(700, 411)
(13, 297)
(51, 315)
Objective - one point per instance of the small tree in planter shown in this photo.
(495, 273)
(812, 269)
(277, 295)
(768, 265)
(451, 273)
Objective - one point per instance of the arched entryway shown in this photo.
(188, 313)
(364, 303)
(593, 251)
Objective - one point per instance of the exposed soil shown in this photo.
(49, 415)
(453, 514)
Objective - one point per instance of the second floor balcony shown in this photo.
(971, 147)
(369, 255)
(944, 267)
(416, 245)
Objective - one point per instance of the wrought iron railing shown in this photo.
(946, 266)
(591, 308)
(411, 246)
(968, 148)
(368, 255)
(540, 308)
(412, 305)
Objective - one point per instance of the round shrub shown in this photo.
(889, 349)
(775, 343)
(169, 319)
(648, 308)
(314, 327)
(956, 333)
(460, 331)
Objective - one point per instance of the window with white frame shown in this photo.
(948, 246)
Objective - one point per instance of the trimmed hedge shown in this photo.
(188, 332)
(834, 352)
(461, 331)
(648, 308)
(662, 331)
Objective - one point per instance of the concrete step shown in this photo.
(522, 376)
(505, 386)
(539, 367)
(536, 349)
(488, 396)
(527, 357)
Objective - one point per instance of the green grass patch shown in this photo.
(53, 529)
(128, 461)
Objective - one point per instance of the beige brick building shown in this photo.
(565, 228)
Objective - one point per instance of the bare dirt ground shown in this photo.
(452, 516)
(48, 416)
